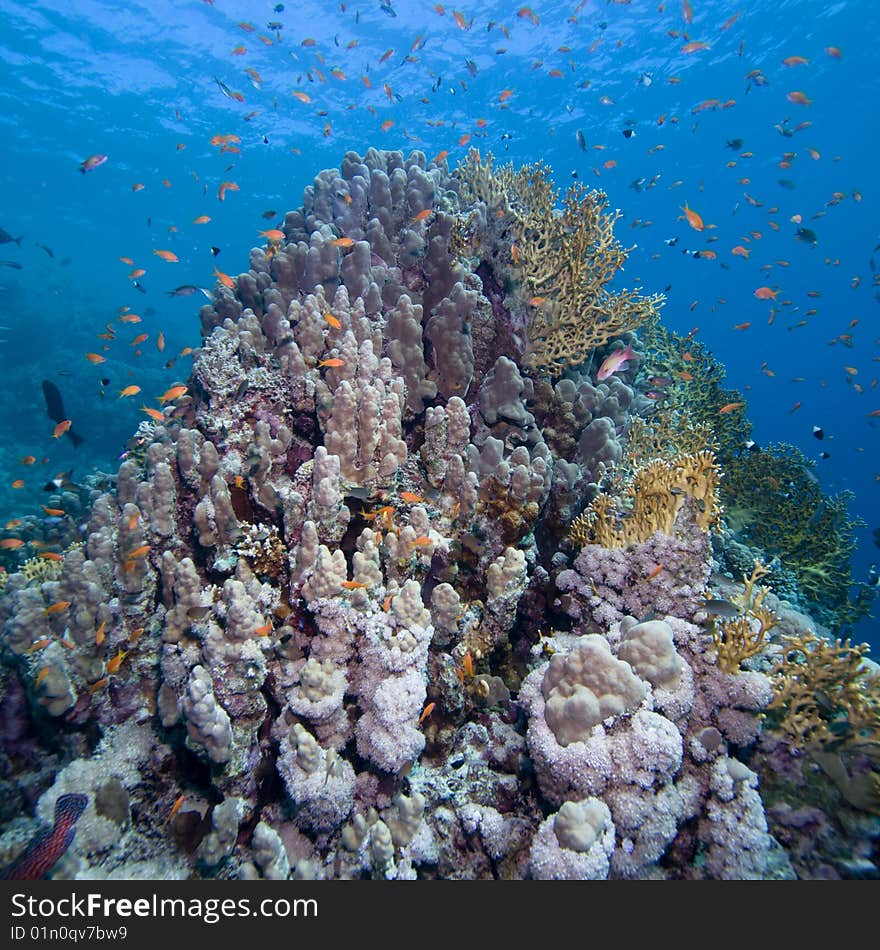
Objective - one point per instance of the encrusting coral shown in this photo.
(306, 614)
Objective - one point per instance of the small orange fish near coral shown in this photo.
(10, 544)
(342, 242)
(129, 391)
(175, 808)
(54, 512)
(333, 362)
(730, 407)
(57, 608)
(411, 497)
(333, 321)
(154, 414)
(264, 630)
(273, 234)
(421, 216)
(354, 585)
(61, 428)
(174, 393)
(114, 663)
(427, 712)
(224, 279)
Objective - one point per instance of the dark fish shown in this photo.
(807, 235)
(735, 144)
(720, 608)
(186, 290)
(47, 848)
(48, 250)
(471, 66)
(274, 25)
(787, 183)
(278, 8)
(818, 432)
(581, 140)
(824, 455)
(386, 7)
(60, 481)
(271, 213)
(629, 133)
(139, 287)
(6, 238)
(215, 251)
(55, 408)
(13, 264)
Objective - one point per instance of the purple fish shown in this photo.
(46, 848)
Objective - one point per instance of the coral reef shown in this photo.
(401, 589)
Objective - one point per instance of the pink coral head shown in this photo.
(616, 361)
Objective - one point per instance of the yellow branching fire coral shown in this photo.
(738, 639)
(665, 435)
(826, 696)
(38, 570)
(827, 701)
(565, 258)
(651, 502)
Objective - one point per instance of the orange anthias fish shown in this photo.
(155, 414)
(57, 608)
(693, 219)
(342, 242)
(174, 393)
(765, 293)
(114, 663)
(799, 98)
(175, 808)
(730, 407)
(129, 391)
(333, 362)
(273, 234)
(224, 279)
(421, 216)
(95, 358)
(411, 497)
(427, 712)
(61, 428)
(169, 256)
(616, 361)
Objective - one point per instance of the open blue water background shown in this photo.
(136, 81)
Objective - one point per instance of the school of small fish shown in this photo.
(310, 78)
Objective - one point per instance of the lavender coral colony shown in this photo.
(449, 561)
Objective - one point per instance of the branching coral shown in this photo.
(826, 696)
(652, 501)
(692, 388)
(566, 258)
(776, 503)
(737, 639)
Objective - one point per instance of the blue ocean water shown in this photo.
(138, 83)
